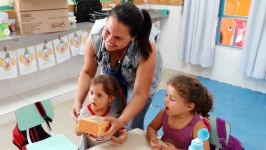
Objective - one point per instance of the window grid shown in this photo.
(221, 15)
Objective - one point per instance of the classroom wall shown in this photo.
(23, 83)
(226, 61)
(225, 69)
(5, 2)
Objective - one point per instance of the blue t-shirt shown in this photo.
(116, 72)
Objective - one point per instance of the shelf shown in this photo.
(155, 13)
(14, 36)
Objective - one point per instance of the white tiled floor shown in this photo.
(62, 95)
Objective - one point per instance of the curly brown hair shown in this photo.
(193, 91)
(111, 88)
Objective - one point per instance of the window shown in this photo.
(231, 29)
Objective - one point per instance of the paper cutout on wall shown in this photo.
(157, 32)
(83, 39)
(75, 42)
(26, 60)
(61, 47)
(45, 55)
(8, 66)
(227, 31)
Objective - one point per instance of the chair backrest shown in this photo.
(28, 116)
(214, 139)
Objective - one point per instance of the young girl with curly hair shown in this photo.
(186, 102)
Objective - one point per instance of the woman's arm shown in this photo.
(87, 73)
(142, 85)
(141, 91)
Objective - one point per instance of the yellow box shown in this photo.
(93, 125)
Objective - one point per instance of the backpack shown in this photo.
(221, 131)
(89, 11)
(36, 133)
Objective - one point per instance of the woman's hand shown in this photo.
(116, 124)
(75, 111)
(169, 146)
(154, 144)
(122, 136)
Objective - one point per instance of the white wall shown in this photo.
(65, 70)
(225, 69)
(4, 2)
(62, 71)
(226, 61)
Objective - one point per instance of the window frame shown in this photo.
(221, 15)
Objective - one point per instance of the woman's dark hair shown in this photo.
(193, 91)
(111, 88)
(139, 23)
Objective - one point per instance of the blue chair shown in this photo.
(28, 117)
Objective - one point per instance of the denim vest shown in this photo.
(131, 59)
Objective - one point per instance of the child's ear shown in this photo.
(190, 106)
(111, 98)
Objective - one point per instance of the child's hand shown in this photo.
(154, 144)
(169, 146)
(122, 136)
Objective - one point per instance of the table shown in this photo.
(136, 140)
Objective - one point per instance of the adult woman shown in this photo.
(124, 48)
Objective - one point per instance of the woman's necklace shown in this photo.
(120, 57)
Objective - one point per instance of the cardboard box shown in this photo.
(93, 125)
(4, 29)
(41, 16)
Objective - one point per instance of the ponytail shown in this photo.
(207, 103)
(143, 37)
(123, 102)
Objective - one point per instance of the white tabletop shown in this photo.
(136, 140)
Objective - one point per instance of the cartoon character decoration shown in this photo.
(61, 48)
(7, 63)
(240, 32)
(4, 29)
(227, 31)
(45, 53)
(76, 40)
(83, 39)
(27, 58)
